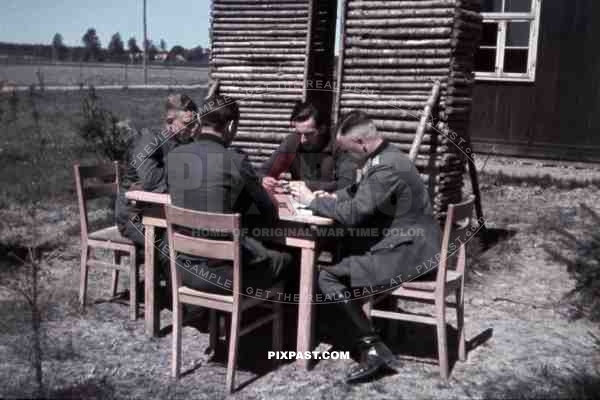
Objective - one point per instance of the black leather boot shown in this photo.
(374, 355)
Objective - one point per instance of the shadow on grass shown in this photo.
(91, 389)
(581, 255)
(419, 341)
(547, 383)
(253, 348)
(482, 254)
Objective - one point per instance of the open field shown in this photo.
(73, 74)
(524, 339)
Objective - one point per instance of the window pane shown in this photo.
(485, 60)
(517, 34)
(515, 60)
(489, 34)
(491, 6)
(518, 6)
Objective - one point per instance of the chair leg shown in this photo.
(176, 351)
(233, 348)
(214, 329)
(442, 339)
(278, 328)
(460, 325)
(391, 324)
(133, 281)
(115, 274)
(83, 274)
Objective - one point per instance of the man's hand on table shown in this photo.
(324, 194)
(269, 183)
(301, 193)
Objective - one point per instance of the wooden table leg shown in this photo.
(151, 314)
(305, 317)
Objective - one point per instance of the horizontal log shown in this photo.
(394, 44)
(243, 5)
(266, 104)
(264, 116)
(400, 70)
(264, 86)
(267, 109)
(257, 151)
(401, 32)
(264, 123)
(256, 27)
(380, 104)
(258, 145)
(389, 113)
(222, 62)
(281, 44)
(254, 90)
(414, 4)
(259, 129)
(259, 69)
(380, 53)
(247, 121)
(228, 19)
(298, 33)
(256, 77)
(263, 13)
(356, 78)
(259, 51)
(392, 62)
(399, 22)
(292, 97)
(275, 57)
(262, 136)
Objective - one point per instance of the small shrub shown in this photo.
(108, 136)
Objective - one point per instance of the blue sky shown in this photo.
(36, 21)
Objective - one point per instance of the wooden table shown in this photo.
(306, 239)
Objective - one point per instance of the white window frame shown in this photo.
(502, 18)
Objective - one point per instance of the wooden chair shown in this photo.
(96, 182)
(457, 229)
(235, 304)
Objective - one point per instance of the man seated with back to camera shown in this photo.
(392, 202)
(208, 176)
(307, 154)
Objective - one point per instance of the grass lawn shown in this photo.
(524, 336)
(73, 74)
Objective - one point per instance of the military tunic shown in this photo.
(391, 203)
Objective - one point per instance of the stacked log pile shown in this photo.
(392, 53)
(264, 52)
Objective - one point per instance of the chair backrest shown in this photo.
(458, 229)
(224, 225)
(93, 182)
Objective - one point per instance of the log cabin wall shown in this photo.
(556, 116)
(264, 52)
(391, 54)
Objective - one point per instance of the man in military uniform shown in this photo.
(307, 154)
(391, 199)
(207, 176)
(146, 167)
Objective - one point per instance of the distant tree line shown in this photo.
(116, 51)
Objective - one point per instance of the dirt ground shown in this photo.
(526, 338)
(523, 339)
